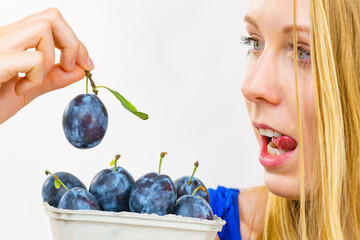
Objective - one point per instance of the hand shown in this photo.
(43, 32)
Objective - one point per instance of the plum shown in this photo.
(85, 121)
(111, 187)
(194, 206)
(78, 199)
(52, 195)
(153, 193)
(186, 185)
(85, 118)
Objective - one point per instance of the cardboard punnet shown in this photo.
(102, 225)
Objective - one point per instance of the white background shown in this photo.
(179, 61)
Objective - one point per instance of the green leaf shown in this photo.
(141, 115)
(112, 162)
(127, 105)
(57, 183)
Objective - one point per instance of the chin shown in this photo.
(282, 185)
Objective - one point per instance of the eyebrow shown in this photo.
(250, 20)
(299, 28)
(286, 30)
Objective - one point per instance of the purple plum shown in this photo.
(182, 187)
(186, 185)
(78, 199)
(112, 188)
(52, 195)
(85, 121)
(193, 206)
(153, 193)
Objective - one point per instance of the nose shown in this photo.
(262, 80)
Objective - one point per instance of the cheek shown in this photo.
(308, 115)
(308, 109)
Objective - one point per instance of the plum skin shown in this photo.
(85, 121)
(112, 189)
(182, 188)
(153, 193)
(52, 195)
(193, 206)
(78, 199)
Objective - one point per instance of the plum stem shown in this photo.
(47, 172)
(115, 162)
(200, 188)
(89, 76)
(196, 164)
(87, 83)
(62, 184)
(162, 155)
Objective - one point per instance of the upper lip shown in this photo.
(264, 126)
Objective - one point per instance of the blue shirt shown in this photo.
(224, 203)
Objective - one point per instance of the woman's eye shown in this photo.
(256, 45)
(303, 54)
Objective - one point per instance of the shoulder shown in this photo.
(252, 210)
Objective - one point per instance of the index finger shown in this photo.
(64, 38)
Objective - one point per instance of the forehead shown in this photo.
(279, 12)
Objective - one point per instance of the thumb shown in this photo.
(58, 78)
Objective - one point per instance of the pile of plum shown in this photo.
(85, 121)
(116, 190)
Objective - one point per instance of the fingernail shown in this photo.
(90, 63)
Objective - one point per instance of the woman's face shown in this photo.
(269, 90)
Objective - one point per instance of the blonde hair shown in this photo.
(332, 208)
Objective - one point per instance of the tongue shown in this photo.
(285, 143)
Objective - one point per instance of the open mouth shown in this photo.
(277, 143)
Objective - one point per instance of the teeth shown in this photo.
(271, 144)
(274, 151)
(269, 132)
(277, 134)
(262, 131)
(271, 148)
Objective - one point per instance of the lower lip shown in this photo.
(271, 161)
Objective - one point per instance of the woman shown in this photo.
(312, 169)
